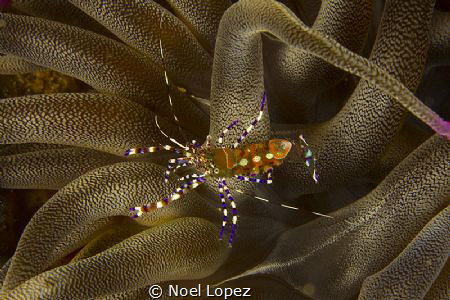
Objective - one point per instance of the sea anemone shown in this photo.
(346, 75)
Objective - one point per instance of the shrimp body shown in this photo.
(250, 160)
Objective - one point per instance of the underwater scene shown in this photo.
(224, 149)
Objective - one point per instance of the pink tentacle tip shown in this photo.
(446, 126)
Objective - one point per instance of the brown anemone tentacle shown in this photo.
(286, 251)
(109, 236)
(13, 149)
(105, 64)
(237, 84)
(270, 16)
(295, 77)
(103, 192)
(307, 10)
(203, 22)
(371, 118)
(61, 11)
(364, 237)
(406, 141)
(439, 53)
(439, 289)
(10, 65)
(417, 259)
(50, 169)
(4, 270)
(72, 242)
(137, 23)
(106, 123)
(110, 271)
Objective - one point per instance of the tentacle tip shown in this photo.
(443, 128)
(447, 129)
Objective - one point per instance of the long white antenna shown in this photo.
(171, 139)
(166, 78)
(290, 207)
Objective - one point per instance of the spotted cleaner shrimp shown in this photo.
(252, 162)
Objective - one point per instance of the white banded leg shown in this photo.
(224, 207)
(267, 180)
(176, 194)
(233, 211)
(253, 124)
(225, 131)
(133, 151)
(179, 162)
(191, 176)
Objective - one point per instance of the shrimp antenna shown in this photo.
(166, 79)
(167, 136)
(289, 207)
